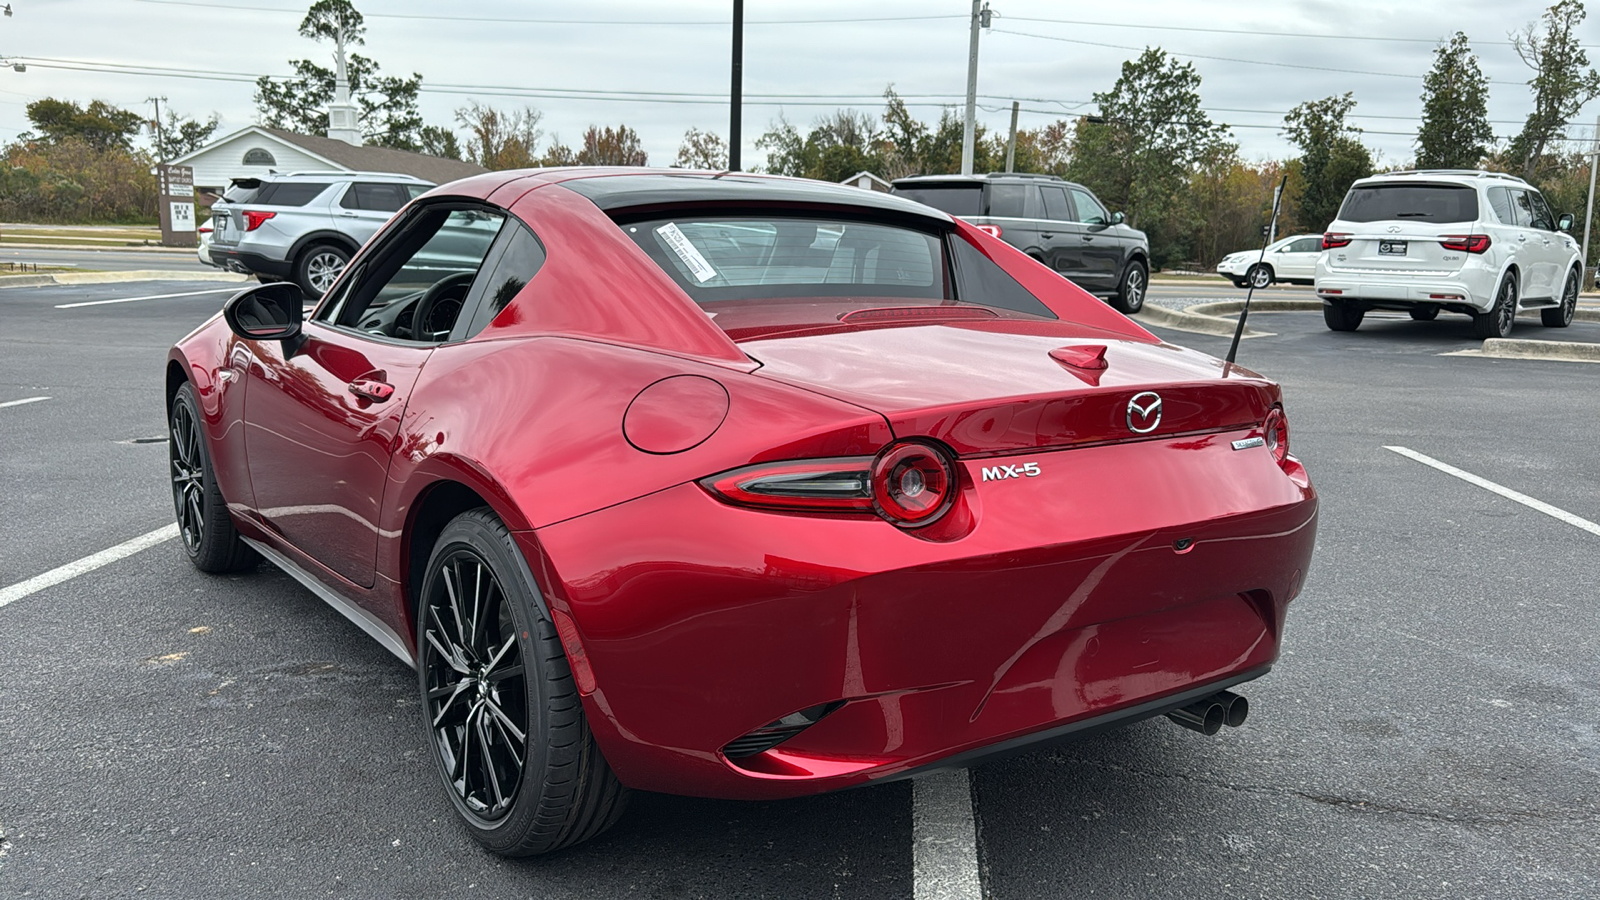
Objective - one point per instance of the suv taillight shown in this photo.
(254, 218)
(990, 230)
(1472, 243)
(1334, 239)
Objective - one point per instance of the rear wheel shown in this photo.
(1424, 313)
(318, 267)
(1342, 317)
(503, 714)
(1240, 282)
(1561, 316)
(206, 531)
(1259, 276)
(1497, 322)
(1130, 293)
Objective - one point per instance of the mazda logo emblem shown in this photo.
(1144, 412)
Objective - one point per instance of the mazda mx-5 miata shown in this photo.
(738, 486)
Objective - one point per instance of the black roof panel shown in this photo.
(650, 189)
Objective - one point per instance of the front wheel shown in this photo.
(1497, 322)
(1342, 317)
(503, 714)
(1259, 276)
(1130, 292)
(204, 527)
(1561, 316)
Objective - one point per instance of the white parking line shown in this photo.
(87, 564)
(21, 402)
(944, 839)
(151, 297)
(1509, 494)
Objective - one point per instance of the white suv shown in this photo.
(1479, 243)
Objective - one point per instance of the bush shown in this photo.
(72, 182)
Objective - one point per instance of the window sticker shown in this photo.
(674, 238)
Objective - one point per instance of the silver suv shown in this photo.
(1479, 243)
(304, 225)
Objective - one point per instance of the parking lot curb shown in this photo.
(1512, 348)
(1186, 320)
(13, 281)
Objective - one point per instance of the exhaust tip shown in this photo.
(1235, 708)
(1205, 716)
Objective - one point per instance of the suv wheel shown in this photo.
(1130, 293)
(1561, 316)
(1497, 322)
(318, 267)
(1426, 313)
(1259, 276)
(1341, 317)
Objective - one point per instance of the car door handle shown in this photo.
(345, 214)
(369, 389)
(1047, 234)
(1522, 237)
(1088, 238)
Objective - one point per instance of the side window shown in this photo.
(980, 280)
(1008, 201)
(1522, 209)
(415, 284)
(1089, 209)
(290, 193)
(1541, 212)
(1306, 245)
(375, 197)
(1500, 202)
(1055, 203)
(516, 267)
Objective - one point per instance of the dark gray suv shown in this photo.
(1058, 223)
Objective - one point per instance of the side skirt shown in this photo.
(366, 621)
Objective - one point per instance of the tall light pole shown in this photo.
(737, 99)
(1588, 215)
(980, 19)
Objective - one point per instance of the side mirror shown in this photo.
(266, 312)
(1565, 222)
(1116, 218)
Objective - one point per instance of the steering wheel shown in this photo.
(431, 301)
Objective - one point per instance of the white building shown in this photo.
(256, 151)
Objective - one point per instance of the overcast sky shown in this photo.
(822, 49)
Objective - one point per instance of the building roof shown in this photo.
(347, 157)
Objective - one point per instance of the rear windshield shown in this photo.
(742, 258)
(1413, 202)
(955, 199)
(289, 193)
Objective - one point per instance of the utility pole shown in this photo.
(980, 19)
(737, 100)
(160, 139)
(1594, 162)
(1011, 142)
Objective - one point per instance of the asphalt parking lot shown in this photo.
(1432, 729)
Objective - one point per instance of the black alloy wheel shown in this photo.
(1561, 316)
(1424, 313)
(1340, 316)
(1259, 276)
(1497, 322)
(504, 717)
(208, 535)
(1130, 292)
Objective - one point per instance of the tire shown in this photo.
(1561, 316)
(1341, 317)
(1497, 322)
(1129, 297)
(1424, 313)
(204, 527)
(496, 671)
(1259, 276)
(318, 267)
(1240, 283)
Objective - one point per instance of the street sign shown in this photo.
(176, 205)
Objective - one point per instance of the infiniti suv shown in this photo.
(1060, 224)
(1478, 243)
(304, 225)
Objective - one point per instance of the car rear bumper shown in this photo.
(248, 263)
(1470, 288)
(1062, 604)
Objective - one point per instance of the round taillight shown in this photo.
(1276, 431)
(912, 484)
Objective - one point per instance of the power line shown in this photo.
(1248, 32)
(506, 20)
(1232, 59)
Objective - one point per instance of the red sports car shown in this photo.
(738, 486)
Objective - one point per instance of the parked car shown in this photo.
(1290, 259)
(1058, 223)
(304, 226)
(1483, 244)
(737, 486)
(202, 243)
